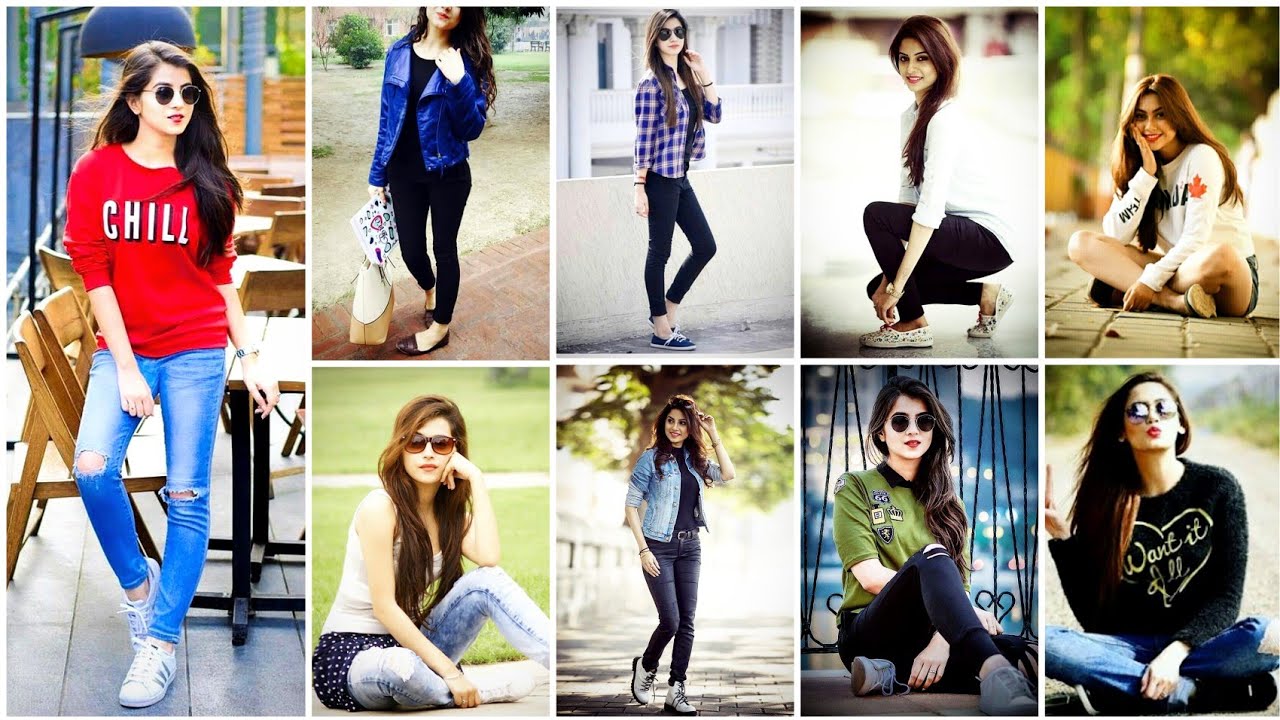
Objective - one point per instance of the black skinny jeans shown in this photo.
(675, 594)
(959, 251)
(926, 596)
(672, 202)
(444, 196)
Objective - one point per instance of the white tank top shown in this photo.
(352, 609)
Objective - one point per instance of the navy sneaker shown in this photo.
(675, 342)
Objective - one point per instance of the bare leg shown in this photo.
(671, 312)
(1223, 273)
(990, 293)
(1119, 265)
(662, 327)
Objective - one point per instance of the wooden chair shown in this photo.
(250, 181)
(288, 237)
(278, 291)
(269, 205)
(61, 275)
(47, 449)
(286, 190)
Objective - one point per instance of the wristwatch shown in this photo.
(243, 352)
(893, 291)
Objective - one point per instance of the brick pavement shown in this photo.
(740, 666)
(1074, 327)
(503, 310)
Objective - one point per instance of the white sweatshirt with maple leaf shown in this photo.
(957, 174)
(1189, 191)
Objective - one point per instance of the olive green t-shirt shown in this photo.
(876, 516)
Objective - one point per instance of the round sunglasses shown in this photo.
(441, 444)
(1139, 412)
(664, 34)
(165, 93)
(901, 421)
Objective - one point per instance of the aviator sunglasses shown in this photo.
(664, 34)
(164, 94)
(441, 444)
(901, 421)
(1139, 412)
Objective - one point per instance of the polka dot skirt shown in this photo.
(331, 662)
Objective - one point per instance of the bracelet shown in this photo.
(638, 182)
(644, 550)
(453, 677)
(709, 84)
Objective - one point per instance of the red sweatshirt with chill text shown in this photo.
(137, 230)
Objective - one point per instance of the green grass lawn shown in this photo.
(354, 410)
(524, 516)
(522, 67)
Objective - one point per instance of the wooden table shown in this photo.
(252, 225)
(287, 352)
(253, 263)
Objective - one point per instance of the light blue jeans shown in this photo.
(1116, 663)
(190, 385)
(395, 677)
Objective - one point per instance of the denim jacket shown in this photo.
(660, 147)
(661, 489)
(449, 116)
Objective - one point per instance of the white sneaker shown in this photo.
(677, 702)
(511, 689)
(986, 325)
(642, 682)
(138, 613)
(149, 677)
(887, 337)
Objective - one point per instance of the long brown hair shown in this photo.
(1107, 494)
(693, 443)
(933, 486)
(653, 60)
(451, 508)
(943, 52)
(471, 37)
(201, 150)
(1126, 158)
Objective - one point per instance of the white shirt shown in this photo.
(956, 177)
(1189, 188)
(352, 609)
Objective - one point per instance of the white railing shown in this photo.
(746, 102)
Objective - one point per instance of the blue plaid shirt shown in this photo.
(660, 148)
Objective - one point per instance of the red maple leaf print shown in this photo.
(1197, 188)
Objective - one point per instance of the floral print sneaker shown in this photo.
(887, 337)
(986, 326)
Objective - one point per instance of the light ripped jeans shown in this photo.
(395, 677)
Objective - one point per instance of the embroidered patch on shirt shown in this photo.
(877, 516)
(839, 484)
(880, 496)
(895, 514)
(885, 533)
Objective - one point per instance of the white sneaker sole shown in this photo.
(660, 346)
(886, 345)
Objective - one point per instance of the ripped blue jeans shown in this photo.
(395, 677)
(190, 385)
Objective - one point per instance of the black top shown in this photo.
(692, 132)
(687, 515)
(406, 160)
(1183, 574)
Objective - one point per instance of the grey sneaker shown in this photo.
(149, 677)
(1005, 691)
(677, 703)
(139, 613)
(642, 682)
(868, 676)
(512, 689)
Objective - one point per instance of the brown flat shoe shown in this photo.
(409, 345)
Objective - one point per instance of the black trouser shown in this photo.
(675, 594)
(959, 251)
(444, 196)
(672, 202)
(926, 596)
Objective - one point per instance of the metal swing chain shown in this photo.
(822, 522)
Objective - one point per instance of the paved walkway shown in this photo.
(739, 667)
(537, 704)
(503, 310)
(1075, 327)
(1254, 468)
(772, 338)
(826, 692)
(68, 650)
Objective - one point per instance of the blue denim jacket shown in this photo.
(449, 116)
(661, 489)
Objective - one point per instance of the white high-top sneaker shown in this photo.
(677, 702)
(642, 682)
(514, 687)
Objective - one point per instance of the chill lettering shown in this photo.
(151, 221)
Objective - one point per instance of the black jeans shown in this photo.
(675, 594)
(444, 196)
(672, 202)
(926, 596)
(959, 251)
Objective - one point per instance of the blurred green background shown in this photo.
(508, 425)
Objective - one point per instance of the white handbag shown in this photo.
(372, 306)
(375, 228)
